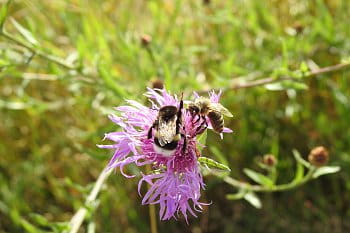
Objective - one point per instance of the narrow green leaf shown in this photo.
(299, 159)
(325, 170)
(253, 199)
(299, 172)
(303, 67)
(78, 187)
(274, 86)
(324, 23)
(4, 63)
(284, 85)
(288, 84)
(168, 80)
(60, 227)
(236, 196)
(111, 82)
(24, 32)
(285, 57)
(212, 164)
(3, 207)
(218, 154)
(258, 177)
(30, 228)
(39, 219)
(15, 105)
(3, 14)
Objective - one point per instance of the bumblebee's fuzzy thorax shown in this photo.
(203, 105)
(167, 129)
(167, 113)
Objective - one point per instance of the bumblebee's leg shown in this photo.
(200, 129)
(179, 115)
(198, 119)
(203, 126)
(194, 111)
(205, 121)
(149, 135)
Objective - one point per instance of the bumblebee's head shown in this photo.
(167, 112)
(193, 108)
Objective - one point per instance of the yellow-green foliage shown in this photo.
(54, 105)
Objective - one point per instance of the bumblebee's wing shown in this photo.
(166, 131)
(188, 102)
(219, 108)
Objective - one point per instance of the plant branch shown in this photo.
(80, 215)
(258, 188)
(268, 80)
(313, 73)
(37, 51)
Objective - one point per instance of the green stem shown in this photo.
(152, 210)
(80, 215)
(258, 188)
(36, 51)
(153, 218)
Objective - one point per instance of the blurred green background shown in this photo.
(52, 117)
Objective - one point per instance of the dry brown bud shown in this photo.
(269, 160)
(157, 84)
(146, 40)
(206, 2)
(298, 27)
(318, 156)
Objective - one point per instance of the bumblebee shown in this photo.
(167, 130)
(214, 111)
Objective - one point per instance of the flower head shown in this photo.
(319, 156)
(176, 181)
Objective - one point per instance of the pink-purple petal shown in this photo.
(177, 184)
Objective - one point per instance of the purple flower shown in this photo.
(176, 182)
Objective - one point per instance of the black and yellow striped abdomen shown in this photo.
(216, 120)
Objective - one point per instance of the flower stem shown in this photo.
(80, 215)
(153, 219)
(152, 210)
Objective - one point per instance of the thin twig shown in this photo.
(268, 80)
(80, 215)
(37, 51)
